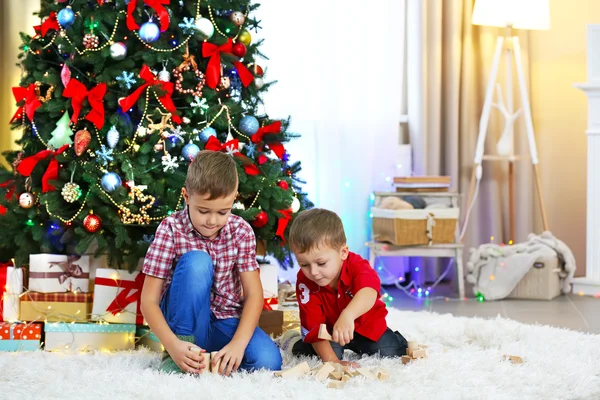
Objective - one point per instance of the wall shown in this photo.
(559, 111)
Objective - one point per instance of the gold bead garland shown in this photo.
(108, 43)
(212, 19)
(68, 221)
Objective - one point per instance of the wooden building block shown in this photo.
(514, 359)
(346, 377)
(297, 371)
(336, 385)
(206, 361)
(214, 368)
(367, 374)
(419, 353)
(335, 375)
(323, 334)
(324, 372)
(406, 359)
(382, 374)
(411, 347)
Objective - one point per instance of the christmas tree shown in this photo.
(116, 98)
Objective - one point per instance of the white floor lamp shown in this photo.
(509, 14)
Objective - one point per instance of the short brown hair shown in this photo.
(212, 173)
(314, 228)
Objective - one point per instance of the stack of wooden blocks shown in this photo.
(337, 373)
(414, 352)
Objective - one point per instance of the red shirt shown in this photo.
(232, 251)
(323, 305)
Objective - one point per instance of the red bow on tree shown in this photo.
(31, 101)
(245, 75)
(78, 92)
(232, 148)
(157, 5)
(271, 129)
(213, 69)
(49, 23)
(9, 194)
(151, 80)
(282, 223)
(26, 166)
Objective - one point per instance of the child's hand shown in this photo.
(232, 355)
(343, 330)
(187, 356)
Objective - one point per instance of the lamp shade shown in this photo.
(518, 14)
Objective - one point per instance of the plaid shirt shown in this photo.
(232, 251)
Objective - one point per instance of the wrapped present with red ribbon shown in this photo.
(117, 297)
(56, 307)
(11, 287)
(20, 337)
(271, 322)
(268, 279)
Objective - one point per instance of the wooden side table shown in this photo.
(453, 250)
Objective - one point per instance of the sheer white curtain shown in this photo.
(339, 68)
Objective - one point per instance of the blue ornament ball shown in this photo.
(206, 133)
(149, 32)
(249, 125)
(66, 17)
(189, 151)
(111, 181)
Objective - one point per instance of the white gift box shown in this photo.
(10, 294)
(55, 273)
(101, 337)
(270, 284)
(117, 295)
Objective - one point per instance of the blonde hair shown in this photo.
(212, 173)
(314, 228)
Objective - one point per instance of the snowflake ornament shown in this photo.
(104, 155)
(188, 26)
(199, 104)
(169, 163)
(231, 150)
(146, 239)
(126, 78)
(251, 149)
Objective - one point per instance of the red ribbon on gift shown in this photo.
(152, 80)
(268, 302)
(213, 69)
(157, 5)
(49, 23)
(31, 101)
(245, 75)
(78, 92)
(26, 166)
(282, 223)
(271, 129)
(123, 299)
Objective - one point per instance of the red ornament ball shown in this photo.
(261, 219)
(255, 69)
(92, 223)
(283, 184)
(262, 159)
(239, 50)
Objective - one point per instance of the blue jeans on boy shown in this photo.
(186, 307)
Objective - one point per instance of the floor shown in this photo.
(579, 313)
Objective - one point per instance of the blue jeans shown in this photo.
(186, 307)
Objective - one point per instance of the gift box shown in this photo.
(56, 307)
(271, 321)
(291, 318)
(117, 295)
(55, 273)
(268, 279)
(20, 337)
(147, 338)
(11, 287)
(85, 337)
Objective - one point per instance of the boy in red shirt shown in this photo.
(337, 288)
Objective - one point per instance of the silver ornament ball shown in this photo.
(295, 205)
(259, 82)
(164, 75)
(237, 17)
(149, 32)
(26, 200)
(118, 51)
(110, 181)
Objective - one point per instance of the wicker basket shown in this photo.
(542, 282)
(415, 227)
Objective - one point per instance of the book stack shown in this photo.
(422, 183)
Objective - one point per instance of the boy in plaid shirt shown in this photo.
(201, 261)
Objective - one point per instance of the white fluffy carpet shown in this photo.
(465, 362)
